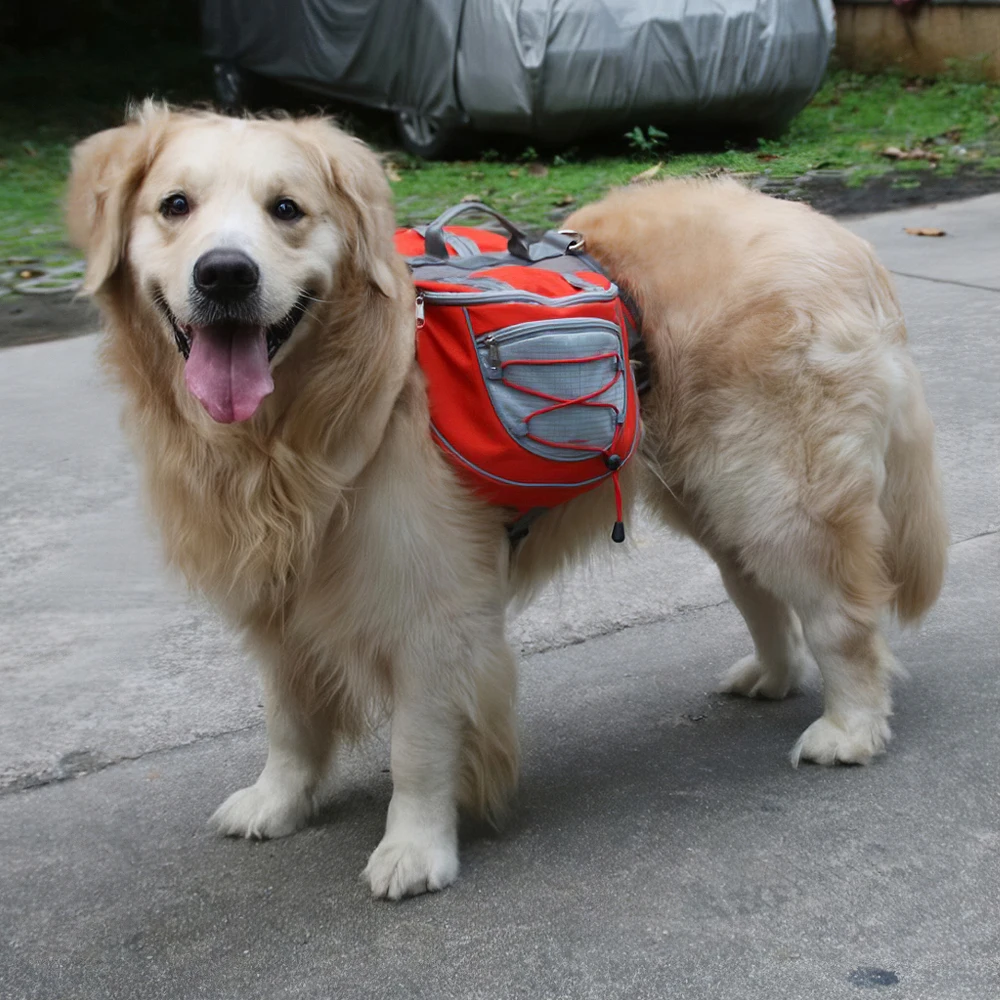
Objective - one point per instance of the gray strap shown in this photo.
(462, 246)
(434, 239)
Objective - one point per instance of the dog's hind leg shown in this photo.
(856, 666)
(832, 572)
(832, 613)
(301, 737)
(781, 658)
(817, 587)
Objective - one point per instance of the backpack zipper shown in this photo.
(510, 334)
(477, 298)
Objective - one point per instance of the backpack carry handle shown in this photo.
(434, 241)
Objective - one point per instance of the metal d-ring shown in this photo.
(578, 242)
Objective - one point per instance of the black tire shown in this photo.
(424, 136)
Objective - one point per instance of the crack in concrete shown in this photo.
(946, 281)
(680, 611)
(80, 763)
(971, 538)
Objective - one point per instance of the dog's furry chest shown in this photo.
(242, 524)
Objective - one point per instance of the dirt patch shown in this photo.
(28, 319)
(829, 192)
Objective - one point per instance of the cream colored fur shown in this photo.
(786, 432)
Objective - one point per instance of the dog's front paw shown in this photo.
(854, 742)
(261, 812)
(400, 868)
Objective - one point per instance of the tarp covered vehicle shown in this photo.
(551, 70)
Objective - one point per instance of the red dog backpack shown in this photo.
(525, 347)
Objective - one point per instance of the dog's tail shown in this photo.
(913, 506)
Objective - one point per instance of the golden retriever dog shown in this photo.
(262, 327)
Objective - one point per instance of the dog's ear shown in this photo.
(106, 172)
(356, 172)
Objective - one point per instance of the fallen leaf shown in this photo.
(470, 197)
(566, 199)
(392, 174)
(894, 153)
(516, 172)
(537, 170)
(647, 175)
(924, 231)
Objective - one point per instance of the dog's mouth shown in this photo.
(227, 364)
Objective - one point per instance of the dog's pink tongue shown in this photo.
(227, 371)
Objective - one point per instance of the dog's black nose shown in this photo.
(225, 275)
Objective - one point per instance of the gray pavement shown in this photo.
(660, 845)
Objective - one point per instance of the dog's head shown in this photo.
(232, 232)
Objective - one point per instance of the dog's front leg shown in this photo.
(300, 739)
(419, 852)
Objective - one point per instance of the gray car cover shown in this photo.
(552, 69)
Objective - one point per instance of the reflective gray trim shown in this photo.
(508, 334)
(516, 295)
(431, 267)
(513, 482)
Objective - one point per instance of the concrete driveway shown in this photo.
(660, 846)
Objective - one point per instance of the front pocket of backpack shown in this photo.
(558, 386)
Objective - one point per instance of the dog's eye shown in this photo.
(174, 205)
(286, 210)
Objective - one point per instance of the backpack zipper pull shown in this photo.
(614, 463)
(618, 531)
(420, 311)
(492, 353)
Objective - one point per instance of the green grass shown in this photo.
(45, 108)
(48, 102)
(848, 124)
